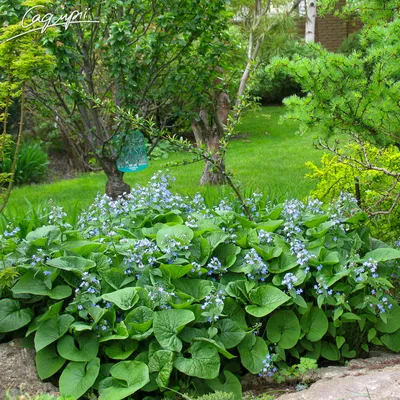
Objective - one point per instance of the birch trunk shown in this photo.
(310, 21)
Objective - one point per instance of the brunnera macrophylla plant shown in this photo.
(156, 293)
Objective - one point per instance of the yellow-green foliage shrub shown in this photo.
(378, 191)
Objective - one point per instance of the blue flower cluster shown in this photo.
(259, 266)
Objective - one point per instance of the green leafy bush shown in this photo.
(31, 166)
(156, 294)
(273, 89)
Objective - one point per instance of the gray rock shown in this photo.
(375, 378)
(18, 371)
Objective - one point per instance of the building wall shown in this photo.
(330, 31)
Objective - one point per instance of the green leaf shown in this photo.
(51, 330)
(392, 341)
(121, 349)
(167, 324)
(127, 377)
(124, 299)
(44, 235)
(196, 288)
(88, 347)
(315, 324)
(12, 317)
(350, 317)
(240, 290)
(162, 363)
(253, 350)
(82, 247)
(219, 346)
(29, 283)
(393, 321)
(203, 364)
(72, 263)
(52, 312)
(382, 254)
(226, 254)
(140, 319)
(200, 250)
(181, 233)
(78, 377)
(230, 384)
(338, 312)
(48, 362)
(340, 341)
(230, 333)
(330, 351)
(175, 271)
(284, 328)
(267, 298)
(371, 334)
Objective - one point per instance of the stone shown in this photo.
(18, 372)
(376, 378)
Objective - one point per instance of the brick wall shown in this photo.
(330, 31)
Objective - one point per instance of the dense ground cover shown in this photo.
(266, 155)
(157, 293)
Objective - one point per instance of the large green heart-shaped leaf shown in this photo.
(267, 299)
(29, 283)
(124, 299)
(315, 324)
(162, 363)
(200, 250)
(72, 263)
(175, 271)
(203, 364)
(52, 312)
(228, 384)
(78, 377)
(51, 330)
(48, 362)
(140, 319)
(167, 324)
(127, 377)
(230, 333)
(392, 341)
(44, 235)
(226, 254)
(181, 233)
(196, 288)
(12, 317)
(253, 351)
(88, 347)
(330, 351)
(82, 247)
(283, 328)
(121, 349)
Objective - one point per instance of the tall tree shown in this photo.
(134, 61)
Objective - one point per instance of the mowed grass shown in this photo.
(265, 156)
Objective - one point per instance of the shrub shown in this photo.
(156, 293)
(336, 175)
(31, 166)
(273, 89)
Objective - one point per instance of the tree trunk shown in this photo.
(115, 185)
(310, 21)
(208, 130)
(213, 173)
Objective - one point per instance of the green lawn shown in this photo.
(266, 156)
